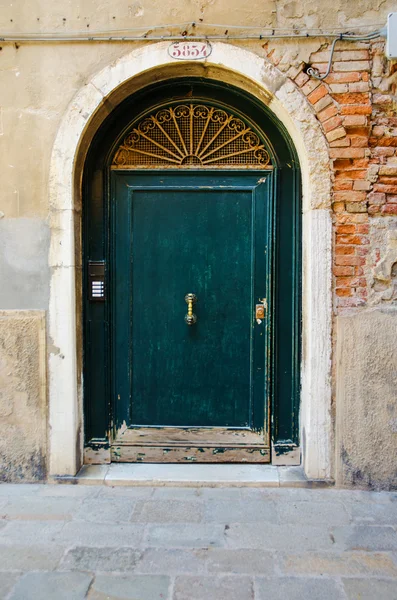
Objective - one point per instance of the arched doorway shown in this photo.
(192, 207)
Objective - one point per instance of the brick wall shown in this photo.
(356, 106)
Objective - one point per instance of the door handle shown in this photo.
(190, 317)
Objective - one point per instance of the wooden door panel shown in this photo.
(206, 235)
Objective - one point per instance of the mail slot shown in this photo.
(96, 280)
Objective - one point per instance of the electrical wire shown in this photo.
(124, 35)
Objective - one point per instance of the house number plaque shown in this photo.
(189, 50)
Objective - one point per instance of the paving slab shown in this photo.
(103, 559)
(339, 564)
(192, 535)
(41, 508)
(168, 511)
(85, 533)
(288, 588)
(173, 561)
(48, 586)
(225, 560)
(142, 587)
(29, 558)
(312, 513)
(7, 582)
(105, 510)
(273, 536)
(210, 588)
(370, 538)
(370, 589)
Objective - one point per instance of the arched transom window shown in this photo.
(191, 135)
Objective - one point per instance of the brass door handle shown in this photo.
(190, 317)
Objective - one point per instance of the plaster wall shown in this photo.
(23, 405)
(42, 83)
(366, 409)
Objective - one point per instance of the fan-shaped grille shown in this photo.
(191, 135)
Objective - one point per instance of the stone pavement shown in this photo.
(172, 543)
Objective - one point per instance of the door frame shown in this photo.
(250, 445)
(106, 89)
(288, 224)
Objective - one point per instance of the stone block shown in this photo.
(7, 582)
(213, 588)
(366, 408)
(168, 511)
(105, 559)
(336, 564)
(23, 409)
(370, 538)
(86, 533)
(29, 558)
(106, 510)
(191, 536)
(368, 589)
(173, 561)
(47, 586)
(282, 588)
(144, 587)
(272, 536)
(241, 511)
(243, 562)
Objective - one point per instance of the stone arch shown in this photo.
(85, 113)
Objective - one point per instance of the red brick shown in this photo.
(345, 228)
(317, 94)
(362, 185)
(357, 240)
(389, 209)
(356, 207)
(353, 98)
(354, 120)
(350, 281)
(344, 292)
(352, 55)
(350, 196)
(343, 184)
(338, 207)
(383, 151)
(342, 164)
(362, 228)
(341, 143)
(388, 180)
(392, 199)
(343, 77)
(336, 134)
(356, 109)
(388, 170)
(350, 174)
(327, 113)
(385, 189)
(347, 153)
(376, 198)
(344, 250)
(343, 271)
(383, 141)
(301, 79)
(332, 123)
(352, 261)
(358, 141)
(358, 65)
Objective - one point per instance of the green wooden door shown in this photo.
(194, 392)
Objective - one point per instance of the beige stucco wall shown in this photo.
(38, 83)
(23, 406)
(366, 407)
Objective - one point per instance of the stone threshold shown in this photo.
(192, 475)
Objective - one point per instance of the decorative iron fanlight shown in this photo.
(192, 135)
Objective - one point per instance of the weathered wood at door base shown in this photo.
(191, 436)
(193, 454)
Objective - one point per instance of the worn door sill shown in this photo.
(192, 475)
